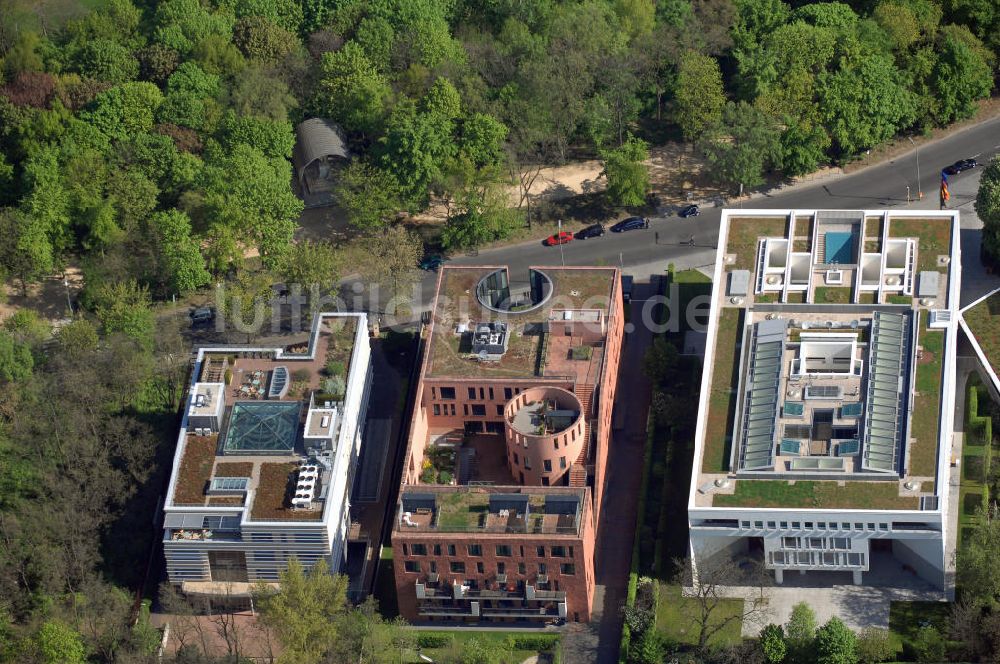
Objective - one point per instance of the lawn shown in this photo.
(744, 233)
(934, 238)
(495, 642)
(271, 502)
(832, 295)
(817, 494)
(195, 470)
(687, 285)
(673, 618)
(906, 619)
(926, 406)
(721, 397)
(982, 320)
(899, 299)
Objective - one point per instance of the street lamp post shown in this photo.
(69, 301)
(916, 154)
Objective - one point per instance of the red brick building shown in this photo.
(505, 465)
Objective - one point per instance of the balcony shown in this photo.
(517, 612)
(202, 536)
(457, 611)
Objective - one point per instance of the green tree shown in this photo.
(123, 307)
(865, 102)
(699, 97)
(752, 146)
(107, 60)
(246, 300)
(351, 90)
(988, 210)
(304, 613)
(800, 633)
(875, 645)
(628, 177)
(273, 138)
(899, 23)
(311, 265)
(772, 644)
(803, 147)
(247, 193)
(182, 265)
(482, 140)
(58, 643)
(836, 643)
(125, 110)
(77, 338)
(929, 646)
(963, 74)
(393, 257)
(27, 253)
(261, 39)
(16, 361)
(46, 207)
(370, 195)
(259, 91)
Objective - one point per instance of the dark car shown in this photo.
(630, 224)
(431, 263)
(689, 211)
(960, 165)
(202, 316)
(597, 230)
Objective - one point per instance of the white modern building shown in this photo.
(266, 458)
(825, 422)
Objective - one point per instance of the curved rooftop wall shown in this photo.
(494, 293)
(545, 430)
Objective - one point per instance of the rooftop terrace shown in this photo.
(585, 292)
(807, 393)
(246, 419)
(548, 511)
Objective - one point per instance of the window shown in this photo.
(264, 556)
(412, 566)
(796, 525)
(479, 568)
(418, 549)
(221, 523)
(815, 542)
(547, 465)
(457, 567)
(501, 568)
(437, 549)
(790, 542)
(434, 566)
(479, 409)
(562, 462)
(558, 552)
(770, 524)
(784, 524)
(744, 524)
(465, 409)
(491, 394)
(545, 481)
(507, 393)
(447, 392)
(840, 543)
(540, 551)
(517, 390)
(820, 526)
(567, 569)
(406, 549)
(503, 550)
(261, 537)
(521, 569)
(541, 568)
(475, 549)
(472, 393)
(437, 409)
(451, 549)
(527, 465)
(499, 410)
(808, 525)
(871, 526)
(517, 460)
(482, 395)
(759, 525)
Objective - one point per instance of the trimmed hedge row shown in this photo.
(982, 425)
(537, 642)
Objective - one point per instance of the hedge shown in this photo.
(981, 424)
(432, 640)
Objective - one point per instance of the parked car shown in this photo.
(630, 224)
(960, 165)
(202, 316)
(561, 237)
(689, 211)
(431, 263)
(597, 230)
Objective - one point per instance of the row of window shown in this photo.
(546, 463)
(816, 559)
(288, 537)
(459, 567)
(448, 393)
(817, 525)
(825, 543)
(501, 550)
(475, 410)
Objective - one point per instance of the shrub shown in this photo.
(432, 640)
(534, 641)
(229, 376)
(335, 387)
(301, 375)
(335, 368)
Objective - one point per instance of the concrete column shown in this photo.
(857, 577)
(779, 576)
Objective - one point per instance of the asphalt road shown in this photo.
(644, 252)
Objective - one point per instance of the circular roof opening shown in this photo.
(497, 292)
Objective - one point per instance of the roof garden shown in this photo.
(744, 232)
(808, 494)
(926, 416)
(458, 310)
(543, 511)
(722, 394)
(934, 237)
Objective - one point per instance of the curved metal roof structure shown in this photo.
(317, 138)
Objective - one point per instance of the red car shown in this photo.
(559, 238)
